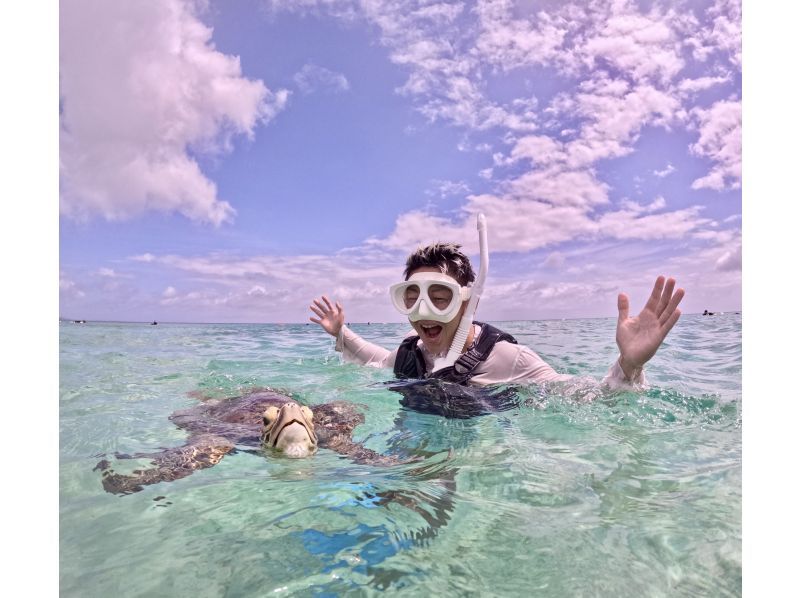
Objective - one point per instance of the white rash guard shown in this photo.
(505, 364)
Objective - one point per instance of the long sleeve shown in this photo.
(615, 379)
(515, 363)
(355, 349)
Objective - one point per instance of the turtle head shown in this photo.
(290, 429)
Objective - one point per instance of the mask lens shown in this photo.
(440, 296)
(410, 296)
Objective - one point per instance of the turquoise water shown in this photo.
(574, 493)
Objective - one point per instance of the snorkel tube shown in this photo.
(460, 339)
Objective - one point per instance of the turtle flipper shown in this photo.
(358, 453)
(171, 464)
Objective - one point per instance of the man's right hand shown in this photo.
(331, 317)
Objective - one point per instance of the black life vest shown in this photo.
(410, 363)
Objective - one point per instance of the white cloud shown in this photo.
(554, 260)
(667, 171)
(508, 42)
(559, 186)
(618, 70)
(731, 259)
(68, 288)
(726, 34)
(644, 47)
(657, 204)
(721, 141)
(627, 224)
(313, 78)
(517, 225)
(701, 83)
(141, 84)
(445, 189)
(111, 273)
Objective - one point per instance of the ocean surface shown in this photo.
(573, 492)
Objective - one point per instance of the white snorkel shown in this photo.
(460, 339)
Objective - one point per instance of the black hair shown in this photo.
(447, 257)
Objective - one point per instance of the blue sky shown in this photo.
(229, 162)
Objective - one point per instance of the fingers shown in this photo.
(317, 310)
(670, 309)
(326, 310)
(667, 326)
(623, 305)
(316, 320)
(655, 296)
(666, 295)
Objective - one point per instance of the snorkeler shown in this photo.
(440, 294)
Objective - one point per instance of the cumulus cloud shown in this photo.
(658, 203)
(726, 34)
(313, 78)
(111, 273)
(68, 287)
(620, 69)
(666, 172)
(445, 189)
(701, 83)
(721, 141)
(141, 86)
(268, 287)
(526, 225)
(643, 46)
(731, 259)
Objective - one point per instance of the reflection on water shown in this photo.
(550, 490)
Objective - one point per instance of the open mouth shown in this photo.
(286, 425)
(431, 332)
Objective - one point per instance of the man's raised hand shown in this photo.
(640, 337)
(330, 317)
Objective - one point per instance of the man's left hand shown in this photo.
(640, 337)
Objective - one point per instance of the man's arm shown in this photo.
(514, 363)
(509, 363)
(354, 349)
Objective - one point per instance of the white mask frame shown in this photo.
(424, 307)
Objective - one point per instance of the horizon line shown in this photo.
(367, 322)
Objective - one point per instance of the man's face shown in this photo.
(437, 336)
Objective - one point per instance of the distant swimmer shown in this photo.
(154, 323)
(708, 313)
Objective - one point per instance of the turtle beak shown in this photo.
(290, 429)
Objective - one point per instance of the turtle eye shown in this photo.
(307, 413)
(270, 414)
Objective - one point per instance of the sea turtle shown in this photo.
(260, 418)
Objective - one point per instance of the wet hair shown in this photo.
(447, 257)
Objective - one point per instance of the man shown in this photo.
(433, 296)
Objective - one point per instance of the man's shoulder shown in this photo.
(507, 349)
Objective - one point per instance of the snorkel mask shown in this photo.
(438, 297)
(429, 296)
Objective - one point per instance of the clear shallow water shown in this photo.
(575, 493)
